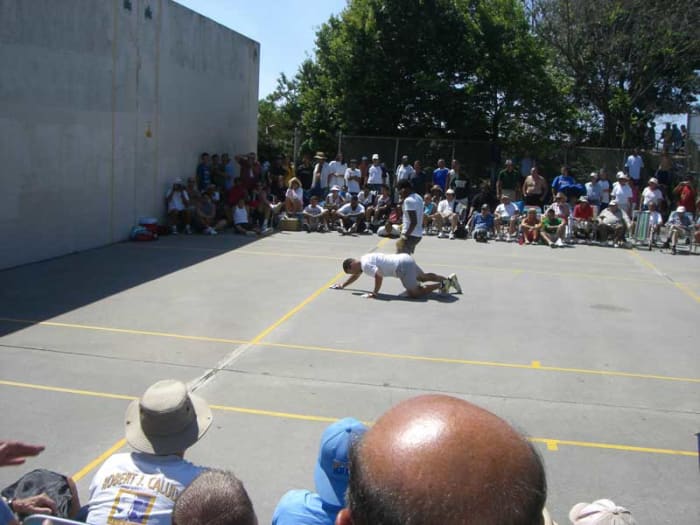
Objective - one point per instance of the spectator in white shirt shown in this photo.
(634, 166)
(337, 168)
(622, 193)
(594, 190)
(178, 202)
(352, 217)
(376, 176)
(352, 178)
(507, 214)
(447, 213)
(405, 171)
(652, 193)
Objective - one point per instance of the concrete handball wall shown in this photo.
(101, 106)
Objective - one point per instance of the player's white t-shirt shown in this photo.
(138, 488)
(413, 203)
(387, 263)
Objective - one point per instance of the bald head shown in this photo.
(438, 459)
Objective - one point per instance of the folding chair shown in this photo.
(643, 234)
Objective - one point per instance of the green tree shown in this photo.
(629, 59)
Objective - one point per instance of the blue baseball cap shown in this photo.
(331, 474)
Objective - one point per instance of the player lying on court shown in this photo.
(401, 266)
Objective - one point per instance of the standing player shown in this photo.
(401, 266)
(412, 224)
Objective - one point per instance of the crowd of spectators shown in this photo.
(429, 459)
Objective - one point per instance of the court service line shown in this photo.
(683, 287)
(552, 443)
(534, 365)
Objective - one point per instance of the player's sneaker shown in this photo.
(445, 286)
(454, 282)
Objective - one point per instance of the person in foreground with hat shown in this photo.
(401, 266)
(331, 476)
(142, 486)
(600, 512)
(437, 459)
(215, 497)
(612, 220)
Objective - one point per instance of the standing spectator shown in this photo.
(566, 184)
(141, 486)
(352, 178)
(331, 477)
(203, 172)
(178, 207)
(667, 137)
(622, 193)
(337, 168)
(686, 195)
(453, 173)
(412, 223)
(305, 172)
(277, 172)
(217, 171)
(419, 179)
(289, 171)
(461, 187)
(440, 175)
(376, 176)
(364, 170)
(633, 167)
(322, 174)
(534, 188)
(229, 171)
(593, 190)
(250, 169)
(652, 193)
(605, 188)
(676, 138)
(664, 172)
(508, 182)
(405, 171)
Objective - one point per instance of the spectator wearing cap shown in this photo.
(215, 497)
(552, 228)
(337, 169)
(507, 216)
(679, 225)
(352, 178)
(622, 193)
(322, 174)
(447, 214)
(351, 217)
(583, 219)
(375, 174)
(530, 227)
(482, 224)
(600, 512)
(405, 171)
(333, 201)
(508, 182)
(594, 190)
(613, 220)
(178, 202)
(142, 486)
(652, 193)
(331, 476)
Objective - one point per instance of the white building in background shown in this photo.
(102, 103)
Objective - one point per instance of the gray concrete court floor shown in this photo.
(592, 352)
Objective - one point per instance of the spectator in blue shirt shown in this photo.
(482, 224)
(440, 175)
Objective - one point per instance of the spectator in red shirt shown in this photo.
(237, 192)
(583, 219)
(686, 195)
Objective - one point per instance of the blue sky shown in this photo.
(285, 29)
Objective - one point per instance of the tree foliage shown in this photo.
(628, 59)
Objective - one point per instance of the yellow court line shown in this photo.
(681, 286)
(552, 443)
(534, 365)
(98, 460)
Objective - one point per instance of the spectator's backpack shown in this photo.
(39, 481)
(461, 232)
(141, 233)
(481, 235)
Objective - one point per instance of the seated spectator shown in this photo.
(333, 201)
(583, 219)
(697, 230)
(612, 220)
(408, 465)
(481, 224)
(447, 214)
(430, 214)
(383, 206)
(142, 486)
(655, 220)
(215, 497)
(241, 220)
(652, 193)
(351, 216)
(679, 225)
(600, 512)
(294, 197)
(530, 227)
(353, 178)
(552, 229)
(236, 193)
(193, 193)
(205, 213)
(594, 190)
(437, 193)
(367, 198)
(561, 207)
(260, 208)
(178, 202)
(507, 216)
(314, 218)
(622, 193)
(331, 476)
(389, 230)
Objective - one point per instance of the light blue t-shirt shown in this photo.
(302, 506)
(6, 514)
(440, 177)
